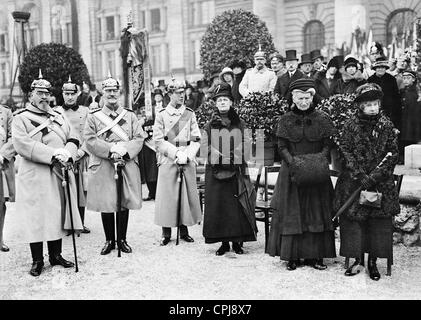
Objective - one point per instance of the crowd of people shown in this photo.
(107, 150)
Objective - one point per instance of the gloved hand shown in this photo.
(119, 149)
(62, 155)
(181, 158)
(80, 154)
(1, 159)
(366, 181)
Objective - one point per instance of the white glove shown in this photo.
(1, 159)
(181, 158)
(80, 154)
(119, 149)
(62, 155)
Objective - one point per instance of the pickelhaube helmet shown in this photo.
(69, 86)
(176, 86)
(110, 83)
(41, 83)
(260, 53)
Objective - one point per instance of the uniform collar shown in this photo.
(263, 70)
(109, 112)
(74, 108)
(35, 109)
(173, 111)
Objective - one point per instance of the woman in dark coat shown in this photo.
(351, 78)
(411, 111)
(301, 225)
(366, 140)
(391, 103)
(229, 195)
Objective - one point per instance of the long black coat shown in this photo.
(411, 115)
(323, 90)
(391, 105)
(283, 82)
(225, 218)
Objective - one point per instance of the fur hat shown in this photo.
(368, 92)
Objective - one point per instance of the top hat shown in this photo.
(291, 55)
(316, 54)
(305, 58)
(41, 84)
(161, 83)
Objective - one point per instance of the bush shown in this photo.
(262, 111)
(56, 62)
(233, 35)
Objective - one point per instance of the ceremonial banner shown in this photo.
(136, 68)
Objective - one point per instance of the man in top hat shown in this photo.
(147, 156)
(176, 136)
(47, 143)
(292, 74)
(391, 101)
(317, 59)
(77, 116)
(163, 87)
(113, 135)
(7, 167)
(259, 78)
(306, 65)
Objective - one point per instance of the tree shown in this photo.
(56, 62)
(233, 35)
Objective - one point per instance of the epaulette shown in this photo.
(129, 109)
(94, 110)
(191, 110)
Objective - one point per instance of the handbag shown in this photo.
(310, 169)
(371, 199)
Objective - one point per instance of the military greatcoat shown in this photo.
(176, 129)
(102, 188)
(7, 151)
(41, 203)
(77, 118)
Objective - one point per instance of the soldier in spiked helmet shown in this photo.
(112, 133)
(46, 141)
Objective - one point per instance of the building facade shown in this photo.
(93, 27)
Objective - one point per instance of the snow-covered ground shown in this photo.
(190, 270)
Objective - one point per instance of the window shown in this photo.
(195, 44)
(400, 28)
(155, 20)
(3, 74)
(3, 43)
(68, 33)
(110, 31)
(99, 29)
(156, 59)
(110, 56)
(142, 23)
(201, 12)
(314, 36)
(32, 29)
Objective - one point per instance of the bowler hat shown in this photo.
(291, 55)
